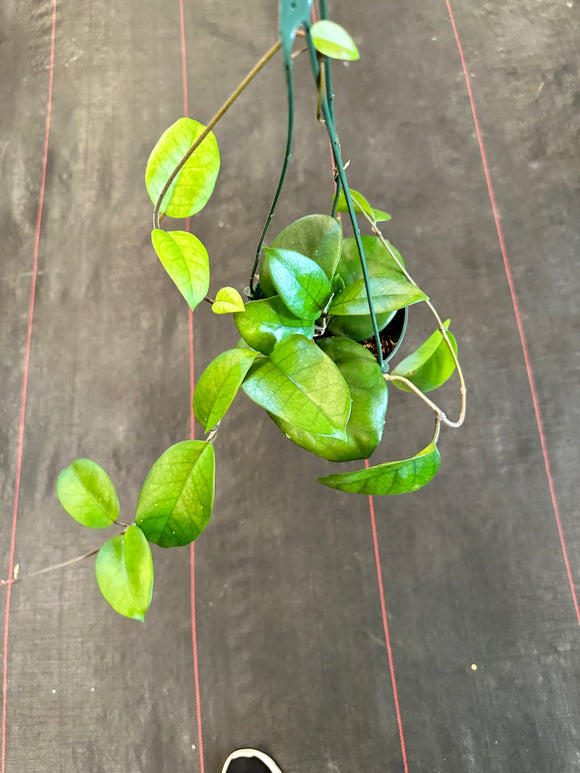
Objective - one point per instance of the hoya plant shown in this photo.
(320, 322)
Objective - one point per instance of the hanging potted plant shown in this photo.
(322, 321)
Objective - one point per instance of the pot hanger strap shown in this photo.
(292, 14)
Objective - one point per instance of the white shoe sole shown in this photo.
(267, 761)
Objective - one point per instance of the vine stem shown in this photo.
(14, 579)
(438, 412)
(220, 113)
(441, 327)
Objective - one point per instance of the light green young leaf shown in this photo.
(186, 261)
(219, 384)
(389, 294)
(176, 500)
(87, 493)
(319, 237)
(193, 186)
(124, 571)
(299, 281)
(267, 321)
(303, 386)
(429, 366)
(369, 395)
(333, 40)
(361, 205)
(390, 478)
(227, 301)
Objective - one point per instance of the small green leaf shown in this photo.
(227, 301)
(389, 294)
(186, 261)
(299, 281)
(302, 385)
(190, 191)
(124, 571)
(429, 366)
(390, 478)
(176, 500)
(87, 493)
(361, 205)
(333, 40)
(369, 395)
(219, 384)
(265, 322)
(319, 237)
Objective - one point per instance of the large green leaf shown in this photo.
(379, 263)
(333, 40)
(190, 191)
(219, 384)
(227, 301)
(390, 478)
(268, 321)
(429, 366)
(389, 294)
(361, 205)
(369, 404)
(299, 281)
(176, 500)
(302, 385)
(87, 493)
(186, 261)
(124, 571)
(319, 237)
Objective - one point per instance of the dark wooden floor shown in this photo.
(478, 668)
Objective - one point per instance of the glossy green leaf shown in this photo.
(124, 571)
(87, 493)
(186, 261)
(299, 281)
(265, 322)
(379, 263)
(190, 191)
(389, 294)
(333, 40)
(429, 366)
(227, 301)
(390, 478)
(302, 385)
(176, 500)
(369, 394)
(219, 384)
(319, 237)
(361, 205)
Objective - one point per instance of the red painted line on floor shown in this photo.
(386, 630)
(518, 315)
(192, 436)
(26, 370)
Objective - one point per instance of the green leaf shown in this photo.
(300, 282)
(176, 500)
(219, 384)
(87, 493)
(319, 237)
(302, 385)
(124, 571)
(389, 294)
(361, 205)
(390, 478)
(227, 301)
(268, 321)
(369, 395)
(190, 191)
(429, 366)
(186, 261)
(333, 40)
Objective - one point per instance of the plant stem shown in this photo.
(62, 565)
(220, 113)
(439, 413)
(462, 385)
